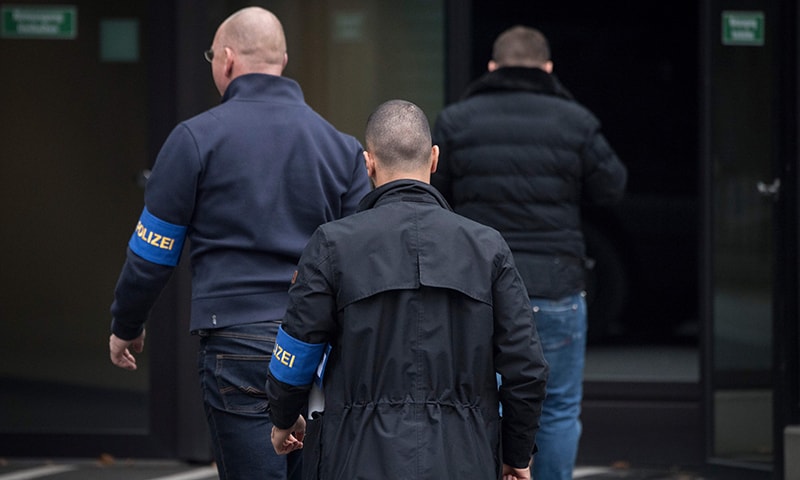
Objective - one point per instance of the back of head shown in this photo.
(521, 47)
(256, 35)
(399, 136)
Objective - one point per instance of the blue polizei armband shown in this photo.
(157, 241)
(294, 362)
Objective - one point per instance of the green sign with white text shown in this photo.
(39, 21)
(743, 28)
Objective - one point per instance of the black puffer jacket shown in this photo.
(518, 154)
(421, 307)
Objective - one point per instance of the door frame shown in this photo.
(781, 21)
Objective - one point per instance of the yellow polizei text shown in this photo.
(281, 355)
(153, 238)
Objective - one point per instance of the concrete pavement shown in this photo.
(107, 468)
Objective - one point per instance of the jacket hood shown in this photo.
(514, 79)
(403, 190)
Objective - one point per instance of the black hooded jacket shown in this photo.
(520, 155)
(421, 307)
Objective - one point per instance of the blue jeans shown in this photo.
(233, 365)
(562, 331)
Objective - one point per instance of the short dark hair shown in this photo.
(521, 46)
(399, 135)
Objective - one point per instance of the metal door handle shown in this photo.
(769, 190)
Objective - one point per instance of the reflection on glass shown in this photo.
(73, 204)
(352, 55)
(742, 306)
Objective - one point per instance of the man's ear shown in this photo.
(434, 158)
(227, 67)
(492, 66)
(548, 66)
(370, 163)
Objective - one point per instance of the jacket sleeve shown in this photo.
(520, 362)
(310, 321)
(138, 287)
(171, 190)
(604, 175)
(156, 243)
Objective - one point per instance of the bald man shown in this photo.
(247, 183)
(415, 308)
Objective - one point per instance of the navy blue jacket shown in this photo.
(421, 307)
(520, 155)
(247, 183)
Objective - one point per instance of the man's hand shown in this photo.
(511, 473)
(120, 350)
(291, 439)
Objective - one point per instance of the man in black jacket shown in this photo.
(414, 309)
(520, 155)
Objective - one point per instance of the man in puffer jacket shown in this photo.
(520, 155)
(415, 308)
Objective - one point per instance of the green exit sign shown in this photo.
(39, 21)
(743, 28)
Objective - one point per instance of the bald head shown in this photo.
(398, 140)
(249, 41)
(256, 35)
(521, 47)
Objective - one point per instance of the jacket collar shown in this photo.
(515, 79)
(403, 191)
(261, 85)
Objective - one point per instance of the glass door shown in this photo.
(742, 191)
(73, 139)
